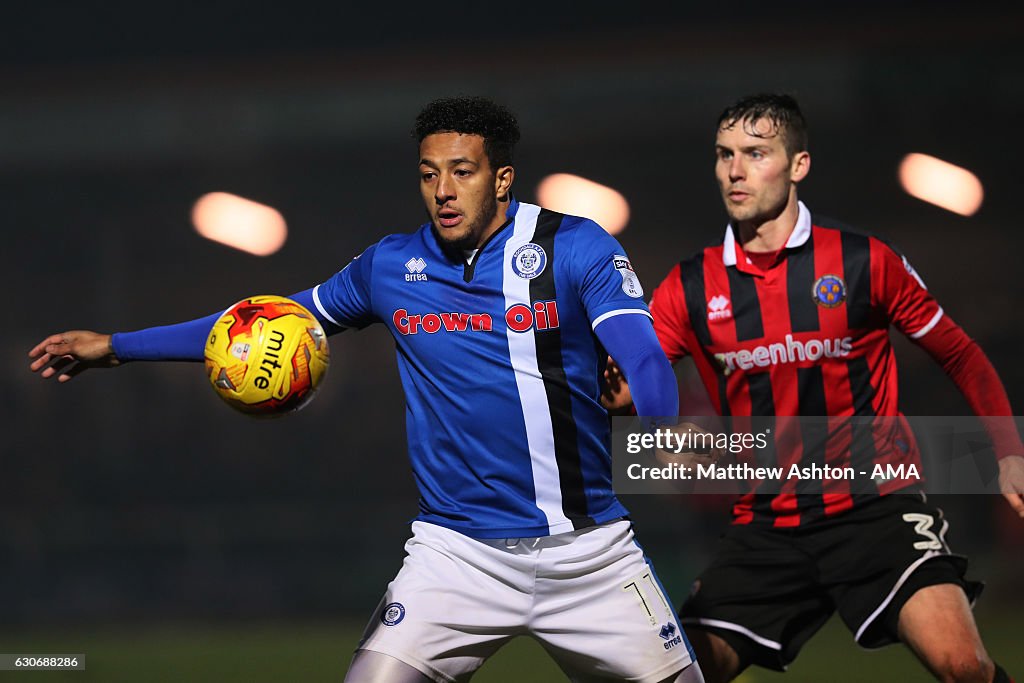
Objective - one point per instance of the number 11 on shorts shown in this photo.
(643, 587)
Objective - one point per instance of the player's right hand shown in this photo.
(1011, 482)
(69, 353)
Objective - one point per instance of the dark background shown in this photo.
(136, 496)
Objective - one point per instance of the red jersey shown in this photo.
(809, 336)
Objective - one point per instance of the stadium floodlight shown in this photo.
(567, 193)
(239, 223)
(941, 183)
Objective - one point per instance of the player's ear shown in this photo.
(799, 166)
(503, 182)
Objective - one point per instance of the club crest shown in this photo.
(529, 261)
(829, 291)
(393, 614)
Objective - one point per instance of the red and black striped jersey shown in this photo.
(809, 336)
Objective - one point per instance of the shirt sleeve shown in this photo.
(608, 285)
(343, 301)
(630, 340)
(902, 294)
(915, 312)
(671, 319)
(346, 299)
(187, 341)
(180, 342)
(972, 372)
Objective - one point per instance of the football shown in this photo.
(266, 356)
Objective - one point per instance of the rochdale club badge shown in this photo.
(529, 261)
(630, 282)
(393, 614)
(829, 291)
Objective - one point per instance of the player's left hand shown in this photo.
(1011, 482)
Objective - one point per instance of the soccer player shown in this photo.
(501, 312)
(790, 316)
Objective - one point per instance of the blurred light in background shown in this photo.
(566, 193)
(239, 223)
(941, 183)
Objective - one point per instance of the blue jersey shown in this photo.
(500, 367)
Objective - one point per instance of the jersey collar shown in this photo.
(731, 248)
(513, 207)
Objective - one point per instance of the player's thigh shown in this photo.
(602, 613)
(760, 599)
(883, 555)
(719, 661)
(374, 667)
(454, 602)
(691, 674)
(937, 625)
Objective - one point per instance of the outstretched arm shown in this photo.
(912, 309)
(69, 353)
(972, 372)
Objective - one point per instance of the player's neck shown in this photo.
(497, 221)
(772, 234)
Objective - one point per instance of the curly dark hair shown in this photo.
(475, 116)
(781, 110)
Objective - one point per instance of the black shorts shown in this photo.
(769, 590)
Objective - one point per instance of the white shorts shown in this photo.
(589, 596)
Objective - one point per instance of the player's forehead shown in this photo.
(447, 147)
(749, 132)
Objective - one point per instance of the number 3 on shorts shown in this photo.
(923, 526)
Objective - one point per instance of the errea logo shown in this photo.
(415, 266)
(718, 308)
(669, 635)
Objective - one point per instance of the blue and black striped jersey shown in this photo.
(500, 367)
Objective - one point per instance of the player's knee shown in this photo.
(966, 666)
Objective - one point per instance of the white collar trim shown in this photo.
(801, 233)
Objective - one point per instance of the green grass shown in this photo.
(311, 652)
(256, 653)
